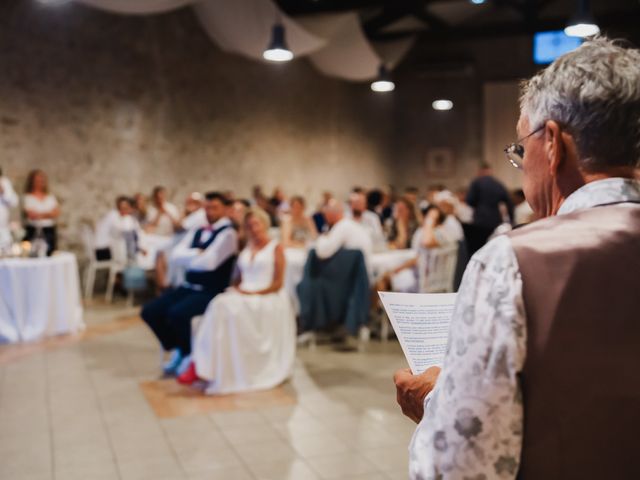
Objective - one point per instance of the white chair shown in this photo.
(436, 269)
(113, 267)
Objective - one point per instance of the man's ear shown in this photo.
(554, 147)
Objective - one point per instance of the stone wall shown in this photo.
(107, 104)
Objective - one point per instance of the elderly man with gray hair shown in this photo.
(540, 377)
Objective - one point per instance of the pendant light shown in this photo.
(383, 83)
(277, 51)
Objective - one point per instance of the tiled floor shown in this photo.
(76, 410)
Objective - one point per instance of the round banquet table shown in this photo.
(39, 297)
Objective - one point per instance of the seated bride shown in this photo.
(246, 340)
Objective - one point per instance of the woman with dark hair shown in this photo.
(41, 210)
(405, 223)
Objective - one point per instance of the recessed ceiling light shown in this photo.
(442, 104)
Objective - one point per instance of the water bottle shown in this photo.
(39, 247)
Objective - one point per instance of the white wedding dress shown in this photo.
(247, 342)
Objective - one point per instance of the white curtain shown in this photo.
(335, 43)
(244, 27)
(348, 54)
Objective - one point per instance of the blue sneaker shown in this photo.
(171, 367)
(184, 365)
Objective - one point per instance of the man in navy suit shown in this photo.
(207, 255)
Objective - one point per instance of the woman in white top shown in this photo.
(163, 218)
(246, 340)
(41, 210)
(117, 233)
(433, 234)
(298, 230)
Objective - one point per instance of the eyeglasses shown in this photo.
(515, 151)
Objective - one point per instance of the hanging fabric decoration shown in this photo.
(334, 43)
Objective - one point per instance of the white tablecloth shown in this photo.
(152, 244)
(39, 297)
(384, 261)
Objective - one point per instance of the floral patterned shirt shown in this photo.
(473, 419)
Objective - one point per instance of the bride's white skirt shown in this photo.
(245, 342)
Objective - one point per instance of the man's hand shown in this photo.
(411, 390)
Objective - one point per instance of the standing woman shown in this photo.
(41, 209)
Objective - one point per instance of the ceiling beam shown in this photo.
(429, 18)
(624, 20)
(305, 7)
(388, 16)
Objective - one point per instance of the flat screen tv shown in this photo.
(547, 46)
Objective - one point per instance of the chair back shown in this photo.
(88, 241)
(334, 291)
(436, 268)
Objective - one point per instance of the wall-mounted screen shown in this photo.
(547, 46)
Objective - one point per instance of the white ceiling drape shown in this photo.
(335, 44)
(244, 27)
(348, 53)
(136, 7)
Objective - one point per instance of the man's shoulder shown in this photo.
(345, 222)
(109, 216)
(498, 249)
(370, 214)
(591, 226)
(604, 215)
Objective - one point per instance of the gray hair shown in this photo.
(593, 92)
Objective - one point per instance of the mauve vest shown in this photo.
(581, 377)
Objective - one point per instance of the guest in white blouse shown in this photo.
(8, 200)
(298, 230)
(433, 234)
(344, 233)
(41, 210)
(114, 229)
(447, 202)
(246, 340)
(163, 218)
(194, 215)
